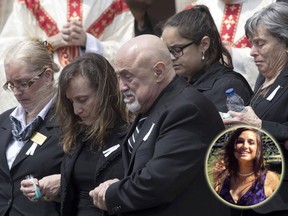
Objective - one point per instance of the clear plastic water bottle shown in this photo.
(234, 102)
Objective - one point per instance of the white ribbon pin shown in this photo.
(38, 139)
(107, 152)
(271, 96)
(149, 132)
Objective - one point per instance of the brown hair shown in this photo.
(110, 106)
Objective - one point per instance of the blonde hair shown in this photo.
(32, 52)
(37, 57)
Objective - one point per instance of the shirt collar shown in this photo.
(19, 112)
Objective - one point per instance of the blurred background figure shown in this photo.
(71, 27)
(198, 54)
(181, 4)
(5, 9)
(267, 30)
(230, 17)
(30, 133)
(143, 22)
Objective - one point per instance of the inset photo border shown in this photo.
(244, 167)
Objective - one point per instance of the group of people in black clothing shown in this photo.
(131, 138)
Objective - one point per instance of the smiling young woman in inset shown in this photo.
(241, 176)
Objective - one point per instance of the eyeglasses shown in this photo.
(9, 86)
(178, 51)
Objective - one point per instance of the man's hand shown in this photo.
(98, 194)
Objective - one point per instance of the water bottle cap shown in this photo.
(229, 91)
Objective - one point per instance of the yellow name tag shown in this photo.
(38, 138)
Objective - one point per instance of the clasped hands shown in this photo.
(72, 34)
(49, 187)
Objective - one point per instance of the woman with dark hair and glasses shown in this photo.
(198, 54)
(244, 179)
(30, 134)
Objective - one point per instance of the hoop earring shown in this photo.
(203, 56)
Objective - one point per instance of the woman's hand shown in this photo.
(50, 187)
(28, 190)
(248, 118)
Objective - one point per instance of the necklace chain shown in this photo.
(256, 96)
(245, 174)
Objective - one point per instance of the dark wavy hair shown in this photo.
(229, 163)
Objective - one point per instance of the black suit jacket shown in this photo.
(107, 167)
(274, 115)
(46, 160)
(165, 174)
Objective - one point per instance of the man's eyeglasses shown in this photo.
(178, 51)
(9, 86)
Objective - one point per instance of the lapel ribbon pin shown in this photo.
(38, 139)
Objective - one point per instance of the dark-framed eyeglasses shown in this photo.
(177, 51)
(9, 86)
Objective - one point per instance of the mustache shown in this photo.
(128, 93)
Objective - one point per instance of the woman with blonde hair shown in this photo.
(30, 133)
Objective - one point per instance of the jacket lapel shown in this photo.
(275, 92)
(127, 159)
(168, 94)
(106, 156)
(6, 136)
(48, 123)
(143, 136)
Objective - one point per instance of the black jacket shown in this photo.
(274, 116)
(45, 161)
(109, 167)
(165, 174)
(216, 79)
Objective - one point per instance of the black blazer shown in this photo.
(46, 160)
(274, 115)
(165, 174)
(216, 79)
(108, 167)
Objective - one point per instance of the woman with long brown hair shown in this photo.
(244, 179)
(93, 120)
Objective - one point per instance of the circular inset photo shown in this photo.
(244, 167)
